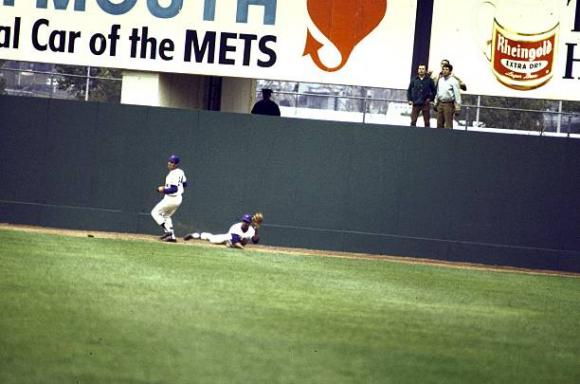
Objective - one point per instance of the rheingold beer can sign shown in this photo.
(359, 42)
(524, 42)
(517, 48)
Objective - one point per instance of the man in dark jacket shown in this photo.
(266, 106)
(419, 94)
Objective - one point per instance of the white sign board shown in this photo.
(356, 42)
(513, 48)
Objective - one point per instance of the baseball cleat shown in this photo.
(165, 236)
(170, 240)
(194, 235)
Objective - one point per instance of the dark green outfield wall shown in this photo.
(452, 195)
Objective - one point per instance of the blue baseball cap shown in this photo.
(247, 218)
(174, 159)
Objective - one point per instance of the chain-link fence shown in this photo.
(314, 101)
(61, 82)
(390, 106)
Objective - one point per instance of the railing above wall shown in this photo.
(328, 102)
(396, 111)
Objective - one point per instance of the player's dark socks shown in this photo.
(165, 236)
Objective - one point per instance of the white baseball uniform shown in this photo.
(234, 235)
(162, 212)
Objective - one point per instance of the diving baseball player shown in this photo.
(238, 235)
(172, 191)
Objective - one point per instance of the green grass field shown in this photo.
(95, 310)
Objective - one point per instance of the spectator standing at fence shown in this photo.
(448, 99)
(419, 94)
(266, 106)
(462, 85)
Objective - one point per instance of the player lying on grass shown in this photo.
(238, 235)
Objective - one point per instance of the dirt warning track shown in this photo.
(289, 251)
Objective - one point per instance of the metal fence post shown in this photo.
(87, 84)
(51, 85)
(296, 98)
(559, 120)
(365, 107)
(478, 109)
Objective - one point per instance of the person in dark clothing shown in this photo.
(419, 94)
(266, 106)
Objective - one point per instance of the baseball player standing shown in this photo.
(238, 235)
(172, 191)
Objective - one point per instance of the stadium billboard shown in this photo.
(356, 42)
(512, 48)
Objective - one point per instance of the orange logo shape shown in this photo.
(345, 23)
